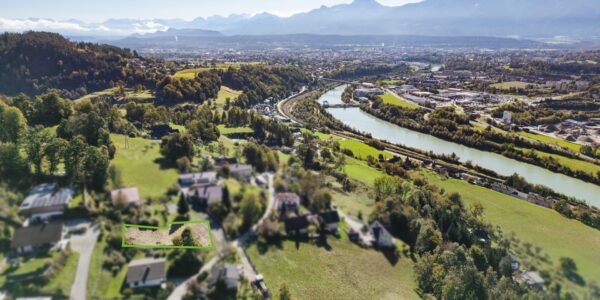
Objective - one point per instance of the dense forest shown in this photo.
(260, 82)
(35, 62)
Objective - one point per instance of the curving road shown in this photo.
(219, 236)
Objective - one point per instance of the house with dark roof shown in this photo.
(36, 238)
(381, 237)
(297, 225)
(330, 219)
(287, 202)
(127, 196)
(229, 273)
(146, 272)
(224, 161)
(46, 201)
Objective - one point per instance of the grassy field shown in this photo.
(61, 283)
(354, 202)
(101, 282)
(389, 98)
(345, 272)
(574, 164)
(129, 94)
(556, 235)
(225, 93)
(233, 130)
(552, 140)
(359, 170)
(362, 150)
(191, 73)
(139, 162)
(65, 277)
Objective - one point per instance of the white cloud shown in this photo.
(38, 24)
(20, 25)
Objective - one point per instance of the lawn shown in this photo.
(574, 164)
(359, 170)
(234, 130)
(225, 93)
(353, 202)
(345, 272)
(389, 98)
(102, 284)
(362, 150)
(552, 140)
(65, 277)
(555, 234)
(60, 283)
(139, 162)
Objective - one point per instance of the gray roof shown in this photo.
(37, 235)
(212, 193)
(531, 277)
(240, 168)
(197, 178)
(46, 195)
(146, 269)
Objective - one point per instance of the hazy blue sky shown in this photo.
(99, 10)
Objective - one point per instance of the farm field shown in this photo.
(346, 271)
(389, 98)
(136, 158)
(556, 235)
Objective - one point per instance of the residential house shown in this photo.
(532, 279)
(296, 225)
(229, 273)
(198, 179)
(127, 196)
(223, 161)
(241, 171)
(46, 201)
(507, 117)
(147, 272)
(330, 220)
(381, 237)
(286, 202)
(39, 237)
(205, 195)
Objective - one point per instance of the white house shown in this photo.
(381, 237)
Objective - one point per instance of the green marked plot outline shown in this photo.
(125, 245)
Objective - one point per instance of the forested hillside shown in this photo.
(35, 62)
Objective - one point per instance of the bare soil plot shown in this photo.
(145, 236)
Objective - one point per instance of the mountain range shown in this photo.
(577, 19)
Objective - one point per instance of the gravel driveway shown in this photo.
(84, 244)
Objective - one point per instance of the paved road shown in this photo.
(219, 238)
(84, 244)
